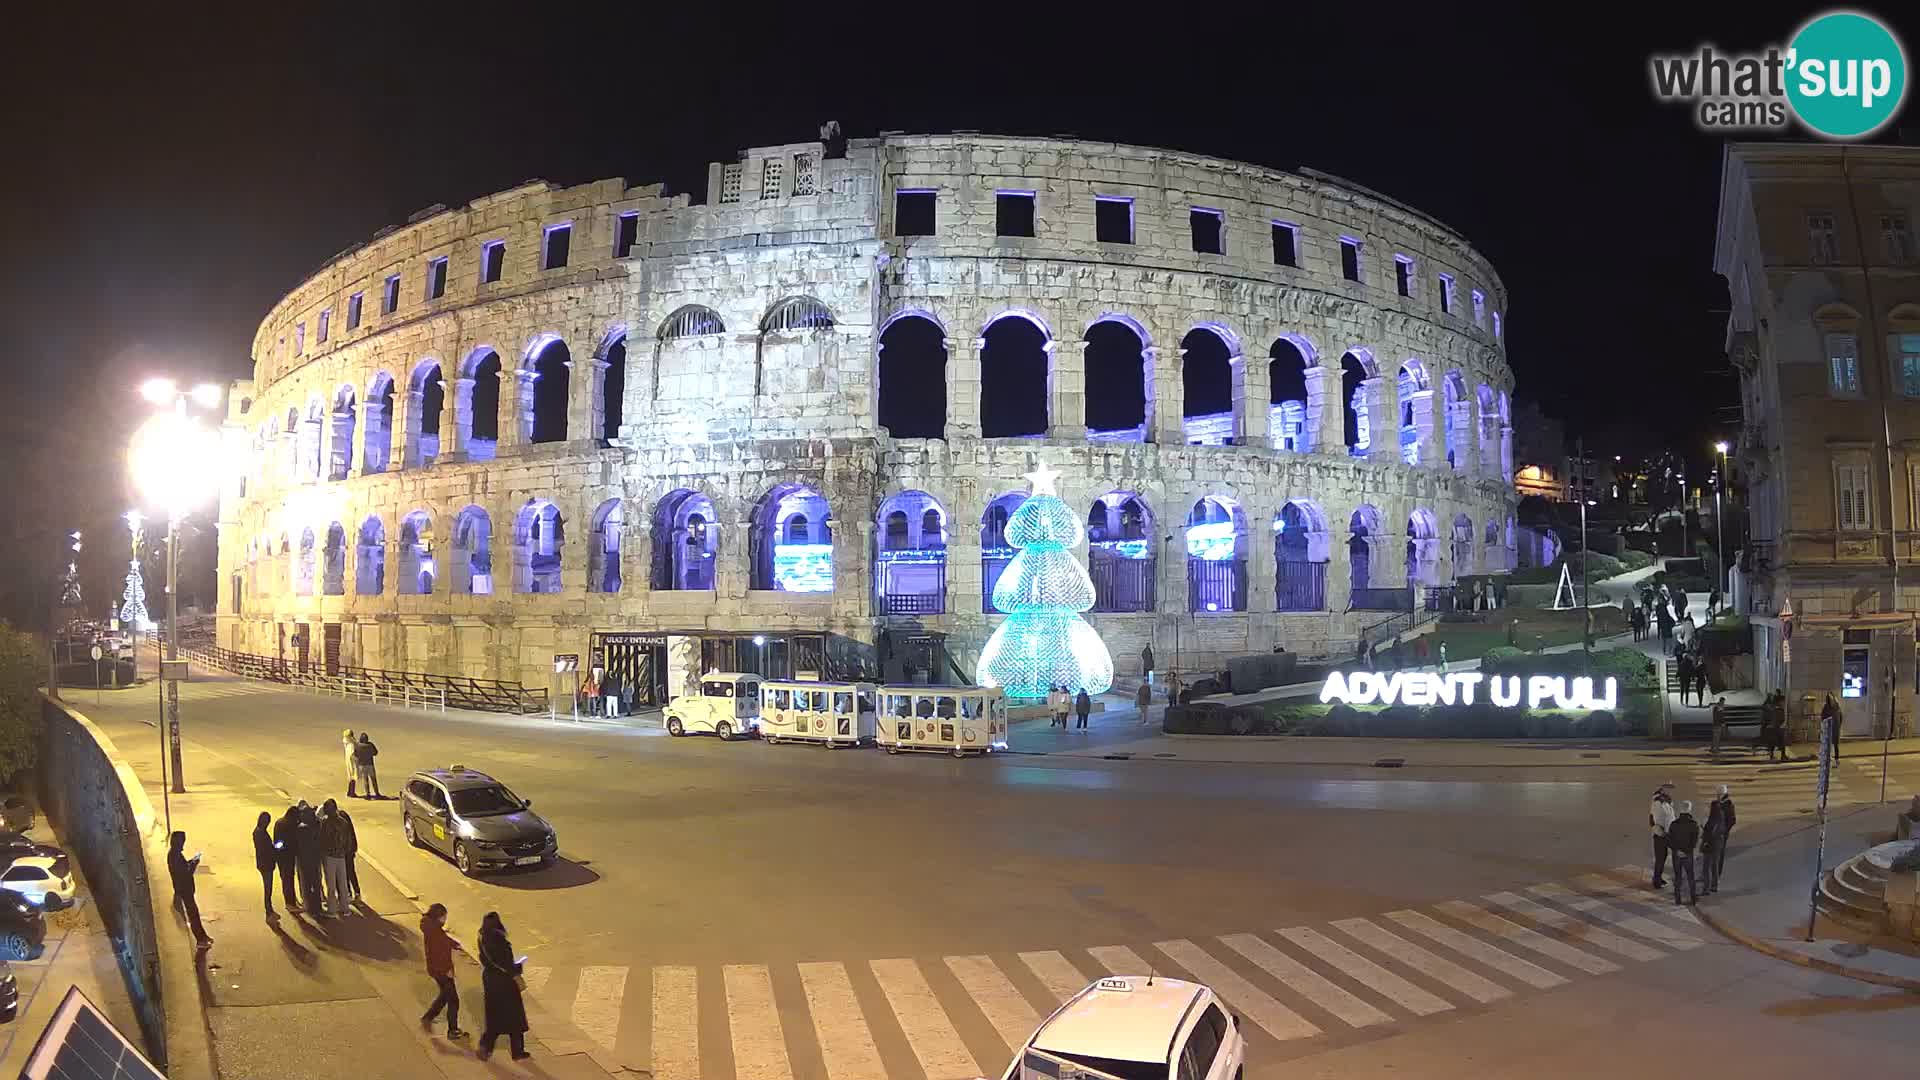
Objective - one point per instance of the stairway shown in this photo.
(1854, 893)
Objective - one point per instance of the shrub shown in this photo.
(1635, 560)
(22, 656)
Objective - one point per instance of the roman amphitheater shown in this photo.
(780, 429)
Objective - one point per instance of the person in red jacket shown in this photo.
(440, 949)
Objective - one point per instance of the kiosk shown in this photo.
(959, 720)
(837, 714)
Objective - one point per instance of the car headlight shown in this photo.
(22, 906)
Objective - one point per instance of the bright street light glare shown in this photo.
(1721, 447)
(158, 391)
(174, 461)
(206, 395)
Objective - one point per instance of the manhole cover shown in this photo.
(1389, 763)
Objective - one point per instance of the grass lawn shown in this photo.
(1538, 630)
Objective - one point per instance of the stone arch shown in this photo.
(995, 551)
(1454, 393)
(603, 550)
(790, 540)
(1302, 547)
(539, 544)
(303, 565)
(1364, 539)
(1016, 376)
(691, 320)
(312, 429)
(689, 326)
(427, 395)
(1118, 378)
(1423, 548)
(1492, 557)
(686, 541)
(370, 558)
(910, 557)
(910, 370)
(796, 339)
(1356, 373)
(1410, 384)
(545, 379)
(416, 554)
(470, 563)
(476, 404)
(333, 562)
(286, 570)
(344, 416)
(1488, 407)
(1216, 536)
(610, 393)
(1291, 417)
(377, 430)
(1462, 546)
(1210, 376)
(1122, 552)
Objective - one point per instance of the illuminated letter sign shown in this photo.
(1430, 688)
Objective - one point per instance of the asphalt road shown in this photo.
(705, 885)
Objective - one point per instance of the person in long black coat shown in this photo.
(500, 988)
(286, 829)
(265, 859)
(309, 852)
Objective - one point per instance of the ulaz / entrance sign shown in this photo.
(1503, 691)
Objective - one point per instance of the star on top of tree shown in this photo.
(1042, 479)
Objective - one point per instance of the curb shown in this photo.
(1767, 948)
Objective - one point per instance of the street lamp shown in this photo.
(174, 462)
(1719, 525)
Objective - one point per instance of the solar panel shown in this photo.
(80, 1043)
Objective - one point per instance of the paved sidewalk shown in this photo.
(305, 998)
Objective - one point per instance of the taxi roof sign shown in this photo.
(1116, 984)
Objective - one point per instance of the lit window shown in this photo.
(1446, 294)
(1286, 244)
(559, 244)
(493, 261)
(437, 278)
(1843, 365)
(299, 338)
(325, 327)
(1113, 219)
(1910, 365)
(915, 212)
(353, 310)
(1822, 245)
(1350, 258)
(1209, 231)
(626, 233)
(1479, 308)
(1403, 275)
(390, 302)
(1013, 213)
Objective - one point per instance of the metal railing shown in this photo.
(404, 688)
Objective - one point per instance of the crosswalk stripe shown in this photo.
(1120, 960)
(596, 1005)
(536, 978)
(1527, 972)
(1305, 981)
(1056, 973)
(846, 1046)
(1005, 1007)
(1486, 921)
(923, 1021)
(1366, 972)
(1669, 936)
(1572, 927)
(1636, 896)
(759, 1045)
(1279, 1021)
(676, 1023)
(1438, 968)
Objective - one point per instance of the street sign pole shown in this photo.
(1827, 735)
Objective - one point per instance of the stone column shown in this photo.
(733, 575)
(1424, 417)
(1325, 422)
(1262, 568)
(1506, 453)
(595, 403)
(1167, 397)
(1252, 410)
(1466, 455)
(1383, 420)
(516, 405)
(1340, 570)
(1067, 390)
(853, 584)
(456, 420)
(963, 387)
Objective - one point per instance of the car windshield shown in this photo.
(1103, 1068)
(481, 801)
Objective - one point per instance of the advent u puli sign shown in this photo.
(1462, 688)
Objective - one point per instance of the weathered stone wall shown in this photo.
(734, 411)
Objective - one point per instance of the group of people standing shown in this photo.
(316, 852)
(502, 983)
(1677, 835)
(604, 695)
(1061, 704)
(361, 774)
(1665, 610)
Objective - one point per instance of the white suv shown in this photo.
(1136, 1027)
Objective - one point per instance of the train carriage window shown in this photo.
(923, 707)
(970, 707)
(867, 702)
(842, 702)
(899, 705)
(780, 699)
(717, 689)
(943, 707)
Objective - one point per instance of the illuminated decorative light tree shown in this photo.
(133, 602)
(1044, 642)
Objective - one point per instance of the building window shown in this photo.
(437, 278)
(1013, 213)
(1479, 308)
(299, 338)
(1446, 294)
(914, 212)
(1822, 246)
(1897, 238)
(1112, 219)
(1350, 258)
(1910, 365)
(1403, 275)
(390, 300)
(1496, 324)
(771, 173)
(353, 310)
(626, 233)
(325, 327)
(493, 260)
(1852, 490)
(1843, 365)
(559, 244)
(1209, 228)
(1286, 244)
(803, 175)
(730, 183)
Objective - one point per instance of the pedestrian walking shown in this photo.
(333, 834)
(1659, 816)
(1634, 623)
(265, 858)
(610, 695)
(1513, 633)
(1683, 631)
(1420, 651)
(1682, 837)
(1443, 658)
(1713, 603)
(1360, 652)
(1664, 619)
(285, 828)
(1719, 725)
(440, 949)
(1773, 720)
(353, 857)
(346, 750)
(591, 691)
(363, 754)
(1143, 700)
(1713, 846)
(1146, 662)
(1830, 719)
(180, 869)
(310, 856)
(1082, 705)
(500, 985)
(1723, 803)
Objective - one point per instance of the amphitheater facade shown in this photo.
(780, 430)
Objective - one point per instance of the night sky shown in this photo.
(169, 179)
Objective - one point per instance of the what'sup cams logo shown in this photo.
(1842, 76)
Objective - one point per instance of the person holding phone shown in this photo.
(501, 984)
(285, 828)
(265, 858)
(180, 869)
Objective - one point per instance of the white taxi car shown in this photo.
(1135, 1027)
(727, 704)
(44, 881)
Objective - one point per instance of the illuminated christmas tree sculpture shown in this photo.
(133, 602)
(1045, 643)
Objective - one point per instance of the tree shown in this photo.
(1045, 643)
(23, 666)
(1538, 439)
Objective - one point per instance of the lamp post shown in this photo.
(172, 458)
(1720, 525)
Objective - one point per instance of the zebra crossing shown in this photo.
(954, 1017)
(1764, 792)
